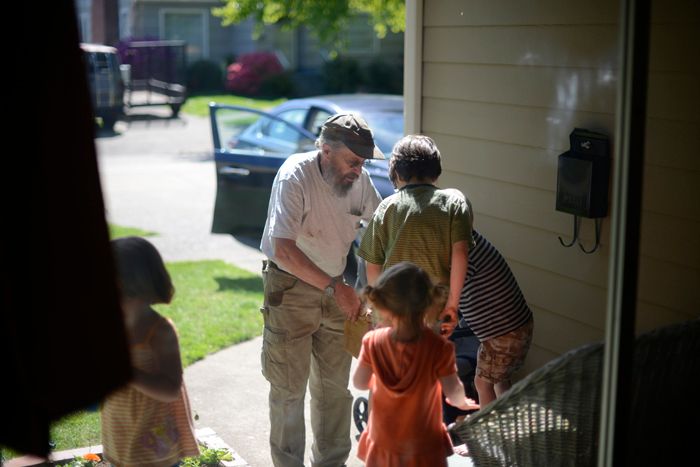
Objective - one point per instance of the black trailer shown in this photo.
(156, 74)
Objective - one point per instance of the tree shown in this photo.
(326, 18)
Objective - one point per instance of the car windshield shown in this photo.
(387, 127)
(245, 130)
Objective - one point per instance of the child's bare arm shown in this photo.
(373, 271)
(362, 375)
(458, 271)
(454, 393)
(163, 384)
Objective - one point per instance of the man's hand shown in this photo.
(347, 300)
(448, 321)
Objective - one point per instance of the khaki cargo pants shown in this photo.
(303, 341)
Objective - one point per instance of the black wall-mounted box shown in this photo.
(582, 175)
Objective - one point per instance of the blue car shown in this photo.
(250, 145)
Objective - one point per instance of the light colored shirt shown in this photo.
(304, 208)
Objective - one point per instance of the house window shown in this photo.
(85, 27)
(359, 36)
(189, 25)
(84, 11)
(284, 43)
(124, 19)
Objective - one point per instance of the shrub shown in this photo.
(277, 86)
(205, 76)
(383, 77)
(247, 75)
(342, 75)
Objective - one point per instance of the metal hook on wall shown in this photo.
(577, 221)
(598, 224)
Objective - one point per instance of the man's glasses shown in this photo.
(356, 163)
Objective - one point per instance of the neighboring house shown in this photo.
(500, 88)
(191, 21)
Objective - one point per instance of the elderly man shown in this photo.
(317, 202)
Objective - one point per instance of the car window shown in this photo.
(387, 128)
(316, 119)
(279, 130)
(247, 131)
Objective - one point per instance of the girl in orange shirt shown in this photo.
(147, 423)
(406, 366)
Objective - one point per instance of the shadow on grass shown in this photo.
(153, 118)
(248, 284)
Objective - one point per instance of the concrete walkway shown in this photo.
(157, 174)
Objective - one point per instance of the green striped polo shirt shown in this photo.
(419, 224)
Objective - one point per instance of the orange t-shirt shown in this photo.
(405, 425)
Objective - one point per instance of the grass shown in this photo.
(79, 429)
(117, 231)
(215, 305)
(199, 105)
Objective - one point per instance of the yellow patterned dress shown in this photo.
(138, 430)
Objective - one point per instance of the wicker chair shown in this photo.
(551, 417)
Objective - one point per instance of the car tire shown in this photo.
(360, 413)
(108, 122)
(350, 273)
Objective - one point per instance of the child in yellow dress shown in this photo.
(147, 422)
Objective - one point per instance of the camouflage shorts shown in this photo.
(500, 357)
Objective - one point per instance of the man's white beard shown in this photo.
(332, 177)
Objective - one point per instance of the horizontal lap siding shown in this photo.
(502, 90)
(668, 143)
(669, 269)
(513, 12)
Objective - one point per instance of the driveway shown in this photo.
(158, 175)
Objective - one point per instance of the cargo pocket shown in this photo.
(277, 284)
(273, 358)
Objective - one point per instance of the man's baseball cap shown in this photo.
(354, 132)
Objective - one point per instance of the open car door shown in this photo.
(249, 147)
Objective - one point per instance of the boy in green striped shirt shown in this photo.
(421, 223)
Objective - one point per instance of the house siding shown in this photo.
(146, 23)
(234, 40)
(223, 42)
(669, 269)
(502, 88)
(388, 49)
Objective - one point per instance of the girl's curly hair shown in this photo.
(406, 291)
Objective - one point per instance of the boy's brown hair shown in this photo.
(414, 156)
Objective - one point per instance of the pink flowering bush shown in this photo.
(246, 75)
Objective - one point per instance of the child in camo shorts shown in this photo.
(493, 306)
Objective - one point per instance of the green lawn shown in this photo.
(199, 105)
(117, 231)
(215, 305)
